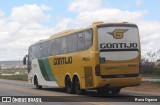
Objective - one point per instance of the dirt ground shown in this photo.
(146, 87)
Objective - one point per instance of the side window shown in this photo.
(30, 57)
(41, 51)
(88, 38)
(81, 41)
(35, 55)
(63, 45)
(30, 53)
(55, 46)
(72, 43)
(46, 48)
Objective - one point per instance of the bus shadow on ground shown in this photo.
(90, 93)
(89, 96)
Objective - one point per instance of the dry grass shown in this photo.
(22, 74)
(15, 77)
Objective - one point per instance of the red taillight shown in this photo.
(97, 70)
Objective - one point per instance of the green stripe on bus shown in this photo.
(43, 71)
(46, 70)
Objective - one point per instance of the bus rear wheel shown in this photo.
(115, 90)
(103, 91)
(77, 87)
(68, 85)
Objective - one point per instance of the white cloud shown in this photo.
(84, 5)
(4, 35)
(21, 29)
(25, 27)
(1, 13)
(30, 13)
(46, 8)
(149, 32)
(110, 15)
(62, 24)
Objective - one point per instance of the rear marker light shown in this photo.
(97, 70)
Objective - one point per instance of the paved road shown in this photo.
(151, 79)
(18, 88)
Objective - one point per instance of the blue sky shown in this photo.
(23, 22)
(60, 8)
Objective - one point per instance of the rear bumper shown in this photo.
(119, 82)
(119, 76)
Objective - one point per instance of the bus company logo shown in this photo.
(118, 33)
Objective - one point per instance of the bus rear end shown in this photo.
(119, 55)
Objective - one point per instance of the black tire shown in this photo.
(77, 88)
(103, 91)
(36, 83)
(115, 90)
(68, 85)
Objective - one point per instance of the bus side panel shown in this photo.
(81, 66)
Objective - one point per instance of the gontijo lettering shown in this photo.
(63, 60)
(118, 45)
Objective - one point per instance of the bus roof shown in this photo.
(70, 31)
(94, 24)
(67, 32)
